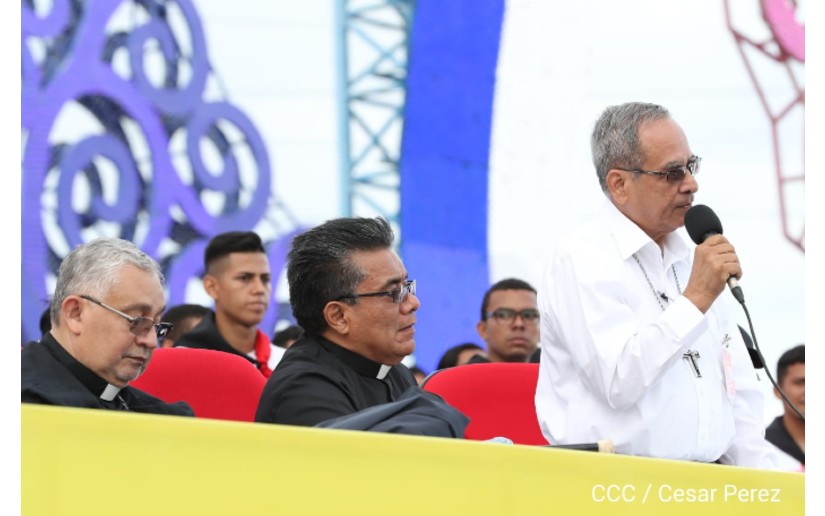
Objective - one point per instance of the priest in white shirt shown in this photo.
(637, 340)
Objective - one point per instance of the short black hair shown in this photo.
(795, 355)
(46, 321)
(505, 284)
(291, 332)
(224, 244)
(179, 313)
(320, 269)
(450, 357)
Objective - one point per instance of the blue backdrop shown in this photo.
(444, 167)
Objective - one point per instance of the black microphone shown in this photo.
(701, 223)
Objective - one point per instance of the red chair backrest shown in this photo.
(497, 397)
(215, 384)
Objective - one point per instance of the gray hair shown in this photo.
(91, 269)
(615, 140)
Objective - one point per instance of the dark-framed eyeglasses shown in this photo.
(137, 325)
(673, 174)
(507, 315)
(398, 295)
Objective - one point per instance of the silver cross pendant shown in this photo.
(691, 356)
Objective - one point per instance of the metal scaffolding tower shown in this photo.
(373, 49)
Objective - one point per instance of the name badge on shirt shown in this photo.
(727, 366)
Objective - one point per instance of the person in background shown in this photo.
(183, 317)
(45, 321)
(239, 281)
(286, 337)
(787, 432)
(509, 322)
(418, 373)
(460, 354)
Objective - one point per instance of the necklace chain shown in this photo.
(658, 296)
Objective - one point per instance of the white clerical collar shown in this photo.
(109, 392)
(382, 371)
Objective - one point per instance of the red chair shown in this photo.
(497, 397)
(215, 384)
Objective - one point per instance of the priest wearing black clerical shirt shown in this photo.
(350, 293)
(107, 298)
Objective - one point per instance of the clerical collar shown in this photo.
(110, 392)
(97, 385)
(360, 364)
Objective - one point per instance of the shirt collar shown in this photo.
(97, 385)
(360, 364)
(631, 239)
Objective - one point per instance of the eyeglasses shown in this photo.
(398, 295)
(507, 315)
(139, 325)
(674, 174)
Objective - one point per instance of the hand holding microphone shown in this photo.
(715, 261)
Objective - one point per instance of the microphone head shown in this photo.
(701, 222)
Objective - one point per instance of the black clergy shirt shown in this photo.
(317, 380)
(51, 376)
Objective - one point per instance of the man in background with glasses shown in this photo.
(638, 344)
(509, 322)
(350, 293)
(104, 312)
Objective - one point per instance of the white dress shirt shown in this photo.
(612, 364)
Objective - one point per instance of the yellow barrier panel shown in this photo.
(79, 461)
